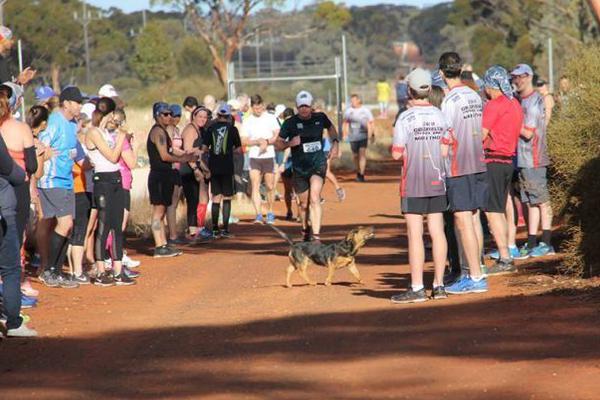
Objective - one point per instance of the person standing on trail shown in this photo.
(221, 140)
(462, 148)
(501, 126)
(303, 134)
(533, 161)
(358, 128)
(401, 94)
(161, 180)
(416, 142)
(384, 92)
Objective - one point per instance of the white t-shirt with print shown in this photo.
(263, 127)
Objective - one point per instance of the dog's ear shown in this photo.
(351, 234)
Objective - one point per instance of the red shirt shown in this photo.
(503, 117)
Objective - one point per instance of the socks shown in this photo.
(416, 288)
(215, 210)
(531, 241)
(57, 251)
(201, 214)
(226, 214)
(546, 236)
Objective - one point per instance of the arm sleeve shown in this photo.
(6, 162)
(31, 163)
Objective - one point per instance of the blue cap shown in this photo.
(159, 107)
(224, 109)
(175, 110)
(522, 69)
(437, 80)
(43, 93)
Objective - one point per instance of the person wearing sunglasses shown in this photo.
(161, 180)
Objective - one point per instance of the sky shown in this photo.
(136, 5)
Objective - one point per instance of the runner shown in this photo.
(383, 96)
(55, 187)
(533, 160)
(221, 140)
(161, 180)
(417, 136)
(189, 104)
(358, 127)
(303, 133)
(401, 94)
(259, 132)
(177, 150)
(501, 124)
(465, 168)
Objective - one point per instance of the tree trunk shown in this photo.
(55, 76)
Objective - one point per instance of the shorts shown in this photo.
(221, 185)
(499, 177)
(127, 199)
(161, 185)
(301, 182)
(57, 202)
(467, 192)
(264, 165)
(534, 185)
(424, 205)
(359, 144)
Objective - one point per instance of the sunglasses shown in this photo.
(166, 114)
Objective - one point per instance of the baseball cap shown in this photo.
(279, 108)
(108, 90)
(160, 107)
(5, 33)
(175, 110)
(17, 92)
(87, 110)
(71, 93)
(43, 93)
(419, 80)
(224, 109)
(304, 98)
(522, 69)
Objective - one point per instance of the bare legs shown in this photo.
(416, 248)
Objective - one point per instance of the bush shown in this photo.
(574, 144)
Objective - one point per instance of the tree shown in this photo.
(220, 24)
(329, 14)
(153, 60)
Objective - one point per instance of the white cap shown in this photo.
(108, 90)
(88, 109)
(279, 108)
(235, 104)
(419, 80)
(304, 98)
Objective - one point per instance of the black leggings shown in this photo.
(83, 205)
(110, 201)
(191, 191)
(23, 204)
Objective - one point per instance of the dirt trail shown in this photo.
(217, 323)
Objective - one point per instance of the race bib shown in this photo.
(311, 147)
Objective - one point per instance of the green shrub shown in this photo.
(574, 144)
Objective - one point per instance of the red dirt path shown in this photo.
(216, 323)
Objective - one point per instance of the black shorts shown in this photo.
(161, 185)
(467, 192)
(499, 178)
(357, 145)
(221, 185)
(301, 182)
(424, 205)
(127, 197)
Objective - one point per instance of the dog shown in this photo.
(333, 256)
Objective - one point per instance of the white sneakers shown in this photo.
(22, 331)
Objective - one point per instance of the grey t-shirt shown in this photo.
(417, 135)
(533, 153)
(358, 120)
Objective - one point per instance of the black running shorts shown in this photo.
(221, 185)
(161, 185)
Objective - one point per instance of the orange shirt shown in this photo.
(79, 184)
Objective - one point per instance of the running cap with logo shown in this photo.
(5, 33)
(159, 108)
(304, 98)
(175, 110)
(87, 110)
(522, 69)
(419, 80)
(43, 93)
(224, 109)
(71, 93)
(108, 90)
(279, 109)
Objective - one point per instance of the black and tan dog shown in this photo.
(333, 256)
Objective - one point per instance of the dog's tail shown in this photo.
(282, 234)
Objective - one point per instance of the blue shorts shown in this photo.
(467, 192)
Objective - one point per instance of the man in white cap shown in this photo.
(416, 142)
(532, 161)
(6, 45)
(303, 133)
